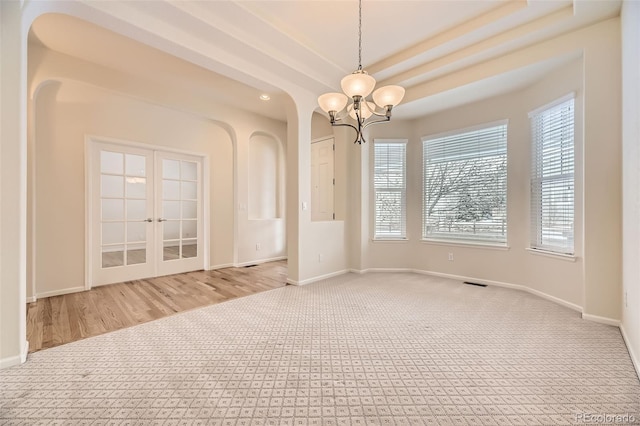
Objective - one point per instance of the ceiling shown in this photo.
(232, 51)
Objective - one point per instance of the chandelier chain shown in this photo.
(359, 34)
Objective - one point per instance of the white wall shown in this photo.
(630, 18)
(591, 283)
(66, 110)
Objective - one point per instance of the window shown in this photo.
(389, 183)
(465, 185)
(552, 177)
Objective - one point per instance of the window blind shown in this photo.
(389, 182)
(552, 178)
(465, 186)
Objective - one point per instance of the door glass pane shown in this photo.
(171, 230)
(136, 253)
(189, 229)
(170, 169)
(189, 248)
(189, 190)
(189, 170)
(170, 190)
(171, 250)
(136, 231)
(189, 209)
(171, 209)
(112, 209)
(111, 186)
(136, 187)
(136, 209)
(112, 256)
(113, 233)
(111, 162)
(135, 165)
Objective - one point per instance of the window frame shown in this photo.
(402, 236)
(459, 239)
(535, 221)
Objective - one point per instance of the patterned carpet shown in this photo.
(375, 349)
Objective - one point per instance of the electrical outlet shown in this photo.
(450, 257)
(320, 257)
(258, 247)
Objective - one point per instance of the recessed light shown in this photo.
(265, 97)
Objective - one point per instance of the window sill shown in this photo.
(452, 243)
(559, 256)
(389, 240)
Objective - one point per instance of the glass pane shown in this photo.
(189, 248)
(111, 186)
(189, 190)
(136, 231)
(112, 209)
(136, 209)
(189, 229)
(113, 233)
(136, 187)
(112, 256)
(135, 165)
(171, 250)
(170, 169)
(189, 170)
(111, 162)
(136, 253)
(170, 190)
(171, 230)
(189, 209)
(171, 209)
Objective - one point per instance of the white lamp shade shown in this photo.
(388, 95)
(333, 102)
(358, 84)
(364, 111)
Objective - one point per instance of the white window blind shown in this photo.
(389, 183)
(552, 178)
(465, 186)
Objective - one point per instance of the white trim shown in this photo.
(388, 140)
(389, 240)
(601, 320)
(547, 253)
(466, 243)
(143, 145)
(256, 262)
(571, 95)
(480, 126)
(318, 278)
(221, 266)
(322, 138)
(60, 292)
(16, 359)
(32, 299)
(632, 355)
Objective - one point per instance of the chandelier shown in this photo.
(356, 87)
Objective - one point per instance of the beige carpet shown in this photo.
(377, 349)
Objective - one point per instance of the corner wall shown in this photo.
(630, 18)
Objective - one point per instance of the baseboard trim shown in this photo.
(601, 320)
(16, 359)
(317, 278)
(31, 299)
(60, 292)
(257, 262)
(634, 358)
(221, 266)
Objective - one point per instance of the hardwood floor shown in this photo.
(62, 319)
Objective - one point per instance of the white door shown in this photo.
(322, 180)
(146, 215)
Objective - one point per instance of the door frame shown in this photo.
(90, 142)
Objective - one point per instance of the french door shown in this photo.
(146, 213)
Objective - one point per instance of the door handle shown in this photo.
(162, 220)
(147, 220)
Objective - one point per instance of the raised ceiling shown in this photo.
(242, 48)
